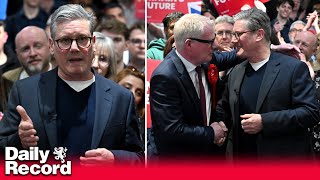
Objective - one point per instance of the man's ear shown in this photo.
(51, 44)
(260, 34)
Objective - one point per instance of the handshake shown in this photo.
(220, 132)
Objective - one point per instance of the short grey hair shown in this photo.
(70, 12)
(256, 19)
(297, 22)
(224, 19)
(190, 26)
(103, 45)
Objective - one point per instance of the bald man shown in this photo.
(32, 48)
(307, 42)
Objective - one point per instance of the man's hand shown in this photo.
(219, 133)
(251, 123)
(97, 157)
(27, 133)
(287, 49)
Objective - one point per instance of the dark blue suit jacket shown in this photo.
(115, 124)
(286, 102)
(175, 109)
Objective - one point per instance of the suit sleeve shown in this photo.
(10, 122)
(304, 111)
(225, 60)
(168, 122)
(132, 152)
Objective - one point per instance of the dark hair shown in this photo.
(138, 25)
(291, 3)
(112, 5)
(114, 26)
(2, 24)
(173, 16)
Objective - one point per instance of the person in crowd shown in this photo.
(297, 13)
(114, 10)
(30, 15)
(296, 26)
(104, 61)
(136, 46)
(223, 29)
(180, 106)
(283, 22)
(156, 47)
(72, 102)
(270, 98)
(119, 33)
(8, 59)
(133, 80)
(32, 49)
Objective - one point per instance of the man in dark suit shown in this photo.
(182, 124)
(71, 106)
(270, 97)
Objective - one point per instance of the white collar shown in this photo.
(189, 66)
(258, 65)
(80, 85)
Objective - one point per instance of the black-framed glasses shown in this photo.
(82, 42)
(203, 41)
(237, 35)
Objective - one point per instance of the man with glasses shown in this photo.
(136, 46)
(72, 106)
(295, 27)
(270, 98)
(180, 97)
(223, 28)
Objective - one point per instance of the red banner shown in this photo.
(158, 9)
(140, 9)
(151, 66)
(231, 7)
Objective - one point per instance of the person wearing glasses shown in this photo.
(72, 106)
(136, 46)
(183, 125)
(223, 28)
(270, 97)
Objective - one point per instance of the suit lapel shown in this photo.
(269, 76)
(238, 79)
(47, 104)
(102, 112)
(187, 82)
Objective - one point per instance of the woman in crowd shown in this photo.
(133, 80)
(104, 62)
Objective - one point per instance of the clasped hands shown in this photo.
(28, 137)
(220, 132)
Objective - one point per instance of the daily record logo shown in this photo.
(12, 154)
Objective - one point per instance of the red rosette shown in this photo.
(213, 75)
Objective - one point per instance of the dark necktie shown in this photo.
(202, 96)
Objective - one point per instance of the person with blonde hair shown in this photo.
(104, 61)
